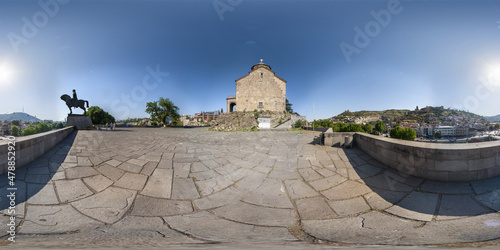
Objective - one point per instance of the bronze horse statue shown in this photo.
(72, 103)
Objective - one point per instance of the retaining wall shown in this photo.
(434, 161)
(28, 148)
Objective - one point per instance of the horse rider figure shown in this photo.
(75, 99)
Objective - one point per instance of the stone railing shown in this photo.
(337, 139)
(28, 148)
(434, 161)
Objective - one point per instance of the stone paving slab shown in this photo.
(149, 206)
(446, 187)
(129, 167)
(314, 208)
(159, 184)
(98, 182)
(383, 199)
(144, 229)
(41, 194)
(110, 172)
(484, 186)
(71, 190)
(80, 172)
(207, 226)
(349, 206)
(458, 206)
(299, 189)
(108, 206)
(345, 190)
(55, 219)
(184, 188)
(491, 200)
(327, 183)
(257, 215)
(132, 181)
(224, 197)
(271, 193)
(417, 206)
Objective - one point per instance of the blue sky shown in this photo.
(440, 53)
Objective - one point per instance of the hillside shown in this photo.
(493, 118)
(19, 116)
(424, 114)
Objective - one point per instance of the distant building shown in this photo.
(207, 116)
(260, 89)
(461, 131)
(446, 131)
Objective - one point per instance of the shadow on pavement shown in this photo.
(32, 178)
(416, 198)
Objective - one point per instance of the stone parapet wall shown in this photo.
(434, 161)
(337, 139)
(28, 148)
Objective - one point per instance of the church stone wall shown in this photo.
(261, 86)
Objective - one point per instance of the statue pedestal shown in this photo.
(79, 121)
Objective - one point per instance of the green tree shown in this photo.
(342, 127)
(380, 127)
(323, 123)
(354, 127)
(14, 130)
(289, 108)
(29, 131)
(437, 134)
(162, 109)
(58, 125)
(99, 116)
(497, 126)
(42, 127)
(397, 132)
(16, 122)
(368, 128)
(409, 134)
(298, 124)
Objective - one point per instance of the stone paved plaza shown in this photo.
(184, 187)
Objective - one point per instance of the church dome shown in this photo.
(261, 64)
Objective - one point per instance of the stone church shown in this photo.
(261, 89)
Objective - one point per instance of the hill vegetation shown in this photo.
(425, 114)
(19, 116)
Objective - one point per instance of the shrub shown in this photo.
(298, 124)
(353, 127)
(29, 131)
(368, 128)
(58, 125)
(14, 130)
(42, 127)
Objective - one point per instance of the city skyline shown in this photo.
(334, 55)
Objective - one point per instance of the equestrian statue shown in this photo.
(74, 102)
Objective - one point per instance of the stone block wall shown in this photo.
(28, 148)
(434, 161)
(254, 88)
